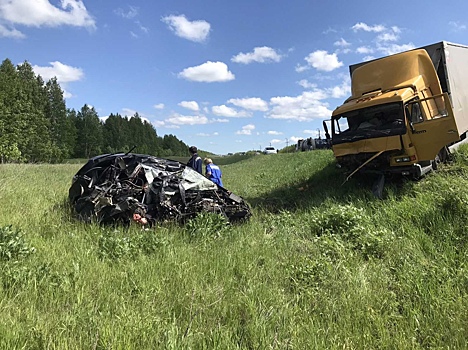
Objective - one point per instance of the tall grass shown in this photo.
(321, 265)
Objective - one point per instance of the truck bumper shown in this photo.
(415, 170)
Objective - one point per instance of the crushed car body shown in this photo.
(113, 188)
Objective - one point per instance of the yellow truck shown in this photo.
(404, 111)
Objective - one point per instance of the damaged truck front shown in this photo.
(119, 188)
(404, 112)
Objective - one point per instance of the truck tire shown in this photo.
(444, 154)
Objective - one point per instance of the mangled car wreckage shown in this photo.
(116, 188)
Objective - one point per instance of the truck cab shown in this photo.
(397, 120)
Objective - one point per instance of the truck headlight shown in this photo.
(402, 160)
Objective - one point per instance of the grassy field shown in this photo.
(320, 265)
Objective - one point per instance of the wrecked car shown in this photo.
(119, 188)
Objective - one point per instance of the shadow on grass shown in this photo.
(327, 184)
(64, 209)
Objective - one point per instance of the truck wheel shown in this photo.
(444, 154)
(435, 163)
(441, 157)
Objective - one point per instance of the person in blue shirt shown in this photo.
(213, 172)
(195, 161)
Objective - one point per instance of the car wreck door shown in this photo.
(432, 124)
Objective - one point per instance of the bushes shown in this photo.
(13, 246)
(207, 225)
(115, 245)
(355, 228)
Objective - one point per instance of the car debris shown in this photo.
(118, 188)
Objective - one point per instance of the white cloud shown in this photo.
(179, 119)
(220, 120)
(159, 106)
(208, 72)
(159, 123)
(197, 31)
(300, 68)
(62, 72)
(364, 50)
(11, 33)
(272, 132)
(340, 91)
(368, 58)
(142, 28)
(275, 141)
(363, 26)
(192, 105)
(323, 61)
(387, 37)
(246, 130)
(341, 43)
(225, 111)
(294, 139)
(128, 112)
(394, 48)
(67, 94)
(203, 134)
(306, 84)
(260, 54)
(314, 133)
(305, 107)
(457, 26)
(38, 13)
(131, 13)
(253, 103)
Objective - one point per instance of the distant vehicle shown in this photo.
(322, 143)
(270, 150)
(311, 144)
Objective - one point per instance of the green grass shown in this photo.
(321, 265)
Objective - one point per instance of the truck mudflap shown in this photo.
(415, 171)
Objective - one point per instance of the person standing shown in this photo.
(213, 172)
(195, 161)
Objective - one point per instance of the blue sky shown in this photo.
(226, 76)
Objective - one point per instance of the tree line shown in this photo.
(37, 126)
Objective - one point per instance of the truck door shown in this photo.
(432, 125)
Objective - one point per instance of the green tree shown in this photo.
(56, 112)
(89, 133)
(135, 134)
(115, 134)
(151, 138)
(172, 146)
(10, 128)
(35, 142)
(72, 132)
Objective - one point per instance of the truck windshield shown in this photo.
(376, 121)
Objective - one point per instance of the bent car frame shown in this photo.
(113, 188)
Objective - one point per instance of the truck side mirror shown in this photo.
(325, 127)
